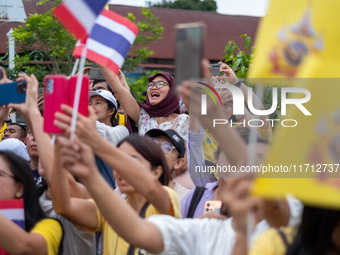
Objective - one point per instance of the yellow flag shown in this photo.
(305, 159)
(298, 39)
(106, 7)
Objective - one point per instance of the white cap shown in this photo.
(16, 146)
(107, 95)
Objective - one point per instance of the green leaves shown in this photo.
(236, 64)
(150, 30)
(43, 38)
(227, 46)
(200, 5)
(247, 42)
(236, 58)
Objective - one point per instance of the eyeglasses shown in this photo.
(166, 146)
(159, 84)
(3, 173)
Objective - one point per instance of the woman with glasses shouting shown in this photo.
(161, 106)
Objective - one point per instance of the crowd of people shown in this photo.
(127, 183)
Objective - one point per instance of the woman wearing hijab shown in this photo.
(159, 110)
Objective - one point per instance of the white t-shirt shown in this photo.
(112, 134)
(146, 123)
(199, 236)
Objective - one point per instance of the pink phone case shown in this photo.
(84, 94)
(59, 90)
(55, 90)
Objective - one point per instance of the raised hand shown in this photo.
(31, 96)
(76, 157)
(228, 75)
(86, 126)
(122, 79)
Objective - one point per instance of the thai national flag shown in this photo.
(110, 40)
(13, 210)
(78, 16)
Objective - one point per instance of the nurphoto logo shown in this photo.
(239, 104)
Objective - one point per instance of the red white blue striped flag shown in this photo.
(13, 210)
(109, 41)
(78, 16)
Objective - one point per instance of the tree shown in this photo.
(45, 47)
(43, 39)
(150, 30)
(240, 62)
(199, 5)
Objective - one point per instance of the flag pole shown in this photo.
(251, 161)
(74, 69)
(77, 94)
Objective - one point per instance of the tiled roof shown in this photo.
(220, 28)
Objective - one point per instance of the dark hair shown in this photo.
(23, 129)
(151, 152)
(23, 174)
(314, 235)
(108, 86)
(114, 121)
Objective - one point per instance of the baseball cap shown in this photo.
(107, 95)
(16, 146)
(176, 139)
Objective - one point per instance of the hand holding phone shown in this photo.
(13, 92)
(189, 51)
(96, 74)
(215, 69)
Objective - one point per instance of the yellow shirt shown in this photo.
(52, 232)
(271, 243)
(210, 146)
(2, 130)
(121, 119)
(114, 244)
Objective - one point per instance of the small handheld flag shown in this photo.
(78, 16)
(110, 40)
(13, 210)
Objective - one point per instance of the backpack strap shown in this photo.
(131, 250)
(283, 237)
(196, 198)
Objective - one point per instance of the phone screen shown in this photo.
(189, 51)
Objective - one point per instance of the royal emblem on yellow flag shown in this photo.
(298, 39)
(309, 152)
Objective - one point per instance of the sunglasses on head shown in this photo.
(166, 146)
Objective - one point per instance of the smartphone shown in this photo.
(215, 69)
(13, 92)
(212, 206)
(59, 90)
(189, 51)
(96, 74)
